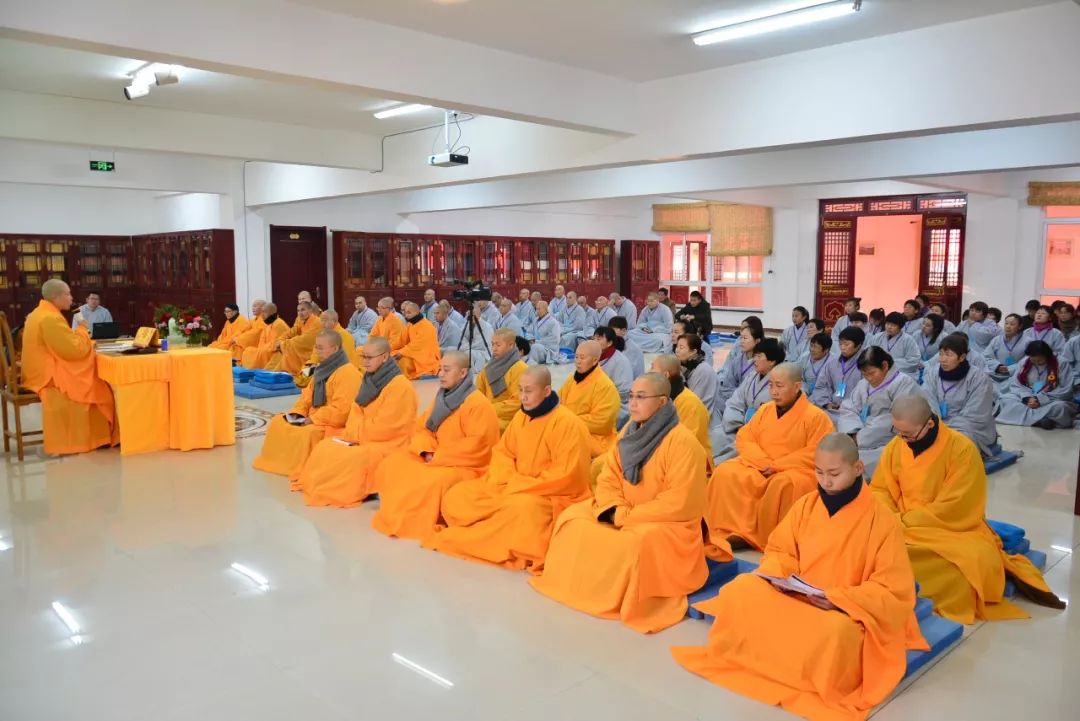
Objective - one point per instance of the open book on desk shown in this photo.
(797, 587)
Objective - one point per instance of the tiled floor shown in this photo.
(140, 550)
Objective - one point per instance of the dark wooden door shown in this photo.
(941, 272)
(836, 267)
(297, 262)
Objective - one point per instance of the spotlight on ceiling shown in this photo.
(136, 91)
(802, 12)
(401, 110)
(167, 76)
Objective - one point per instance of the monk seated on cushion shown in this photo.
(234, 325)
(635, 550)
(417, 350)
(450, 443)
(250, 337)
(341, 471)
(592, 396)
(389, 325)
(293, 349)
(693, 414)
(538, 468)
(257, 355)
(498, 381)
(934, 480)
(322, 409)
(329, 320)
(59, 364)
(833, 655)
(749, 494)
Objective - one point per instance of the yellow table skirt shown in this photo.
(181, 399)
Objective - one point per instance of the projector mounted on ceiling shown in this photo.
(456, 154)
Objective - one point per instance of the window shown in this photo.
(729, 282)
(1061, 255)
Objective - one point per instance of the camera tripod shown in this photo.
(472, 327)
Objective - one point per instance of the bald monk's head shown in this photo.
(328, 319)
(503, 342)
(360, 303)
(541, 308)
(409, 309)
(453, 368)
(385, 307)
(837, 464)
(586, 356)
(535, 297)
(429, 296)
(785, 384)
(303, 296)
(648, 394)
(57, 292)
(269, 311)
(534, 386)
(652, 300)
(912, 417)
(523, 295)
(505, 306)
(667, 365)
(327, 343)
(376, 352)
(571, 297)
(442, 311)
(305, 309)
(257, 307)
(560, 291)
(601, 302)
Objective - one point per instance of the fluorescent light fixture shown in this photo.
(803, 14)
(263, 581)
(5, 545)
(417, 668)
(65, 615)
(136, 91)
(1063, 549)
(401, 110)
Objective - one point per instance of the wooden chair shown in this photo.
(11, 391)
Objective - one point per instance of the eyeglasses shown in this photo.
(640, 397)
(372, 357)
(912, 437)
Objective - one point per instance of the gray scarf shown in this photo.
(448, 401)
(496, 369)
(322, 373)
(375, 381)
(640, 441)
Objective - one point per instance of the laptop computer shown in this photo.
(105, 331)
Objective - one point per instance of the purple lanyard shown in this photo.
(757, 389)
(945, 391)
(1008, 347)
(1044, 333)
(1039, 373)
(881, 387)
(544, 320)
(817, 371)
(844, 368)
(925, 344)
(895, 341)
(745, 368)
(798, 337)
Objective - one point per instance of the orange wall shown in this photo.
(891, 275)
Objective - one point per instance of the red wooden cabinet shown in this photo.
(639, 269)
(196, 268)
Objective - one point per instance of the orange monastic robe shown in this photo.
(596, 402)
(59, 364)
(232, 329)
(343, 476)
(742, 501)
(258, 355)
(419, 346)
(296, 346)
(640, 568)
(411, 489)
(508, 402)
(817, 664)
(391, 327)
(248, 338)
(287, 447)
(348, 344)
(538, 468)
(940, 500)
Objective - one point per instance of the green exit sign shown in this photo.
(106, 165)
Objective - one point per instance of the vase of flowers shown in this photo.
(182, 323)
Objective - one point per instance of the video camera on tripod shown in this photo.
(472, 292)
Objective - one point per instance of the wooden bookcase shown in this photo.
(639, 262)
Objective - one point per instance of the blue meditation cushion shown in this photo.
(246, 390)
(1002, 460)
(940, 634)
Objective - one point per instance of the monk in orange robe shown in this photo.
(258, 355)
(538, 468)
(321, 411)
(635, 550)
(59, 364)
(498, 381)
(749, 494)
(329, 320)
(417, 349)
(293, 349)
(304, 296)
(341, 471)
(934, 480)
(250, 337)
(592, 397)
(840, 650)
(450, 443)
(389, 325)
(235, 324)
(693, 414)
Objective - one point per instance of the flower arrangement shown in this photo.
(192, 324)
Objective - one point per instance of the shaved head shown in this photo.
(792, 371)
(408, 306)
(912, 409)
(506, 334)
(841, 444)
(456, 358)
(52, 288)
(667, 364)
(330, 316)
(657, 383)
(270, 308)
(590, 348)
(378, 344)
(539, 375)
(329, 336)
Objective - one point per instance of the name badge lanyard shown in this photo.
(753, 398)
(1009, 358)
(1040, 382)
(943, 405)
(841, 387)
(817, 372)
(865, 414)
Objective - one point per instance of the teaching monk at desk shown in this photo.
(934, 480)
(538, 468)
(321, 410)
(59, 364)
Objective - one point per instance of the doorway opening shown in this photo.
(887, 254)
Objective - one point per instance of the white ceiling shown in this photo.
(74, 73)
(647, 39)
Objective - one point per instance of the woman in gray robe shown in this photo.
(901, 345)
(1005, 350)
(698, 375)
(1040, 393)
(617, 367)
(739, 363)
(963, 396)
